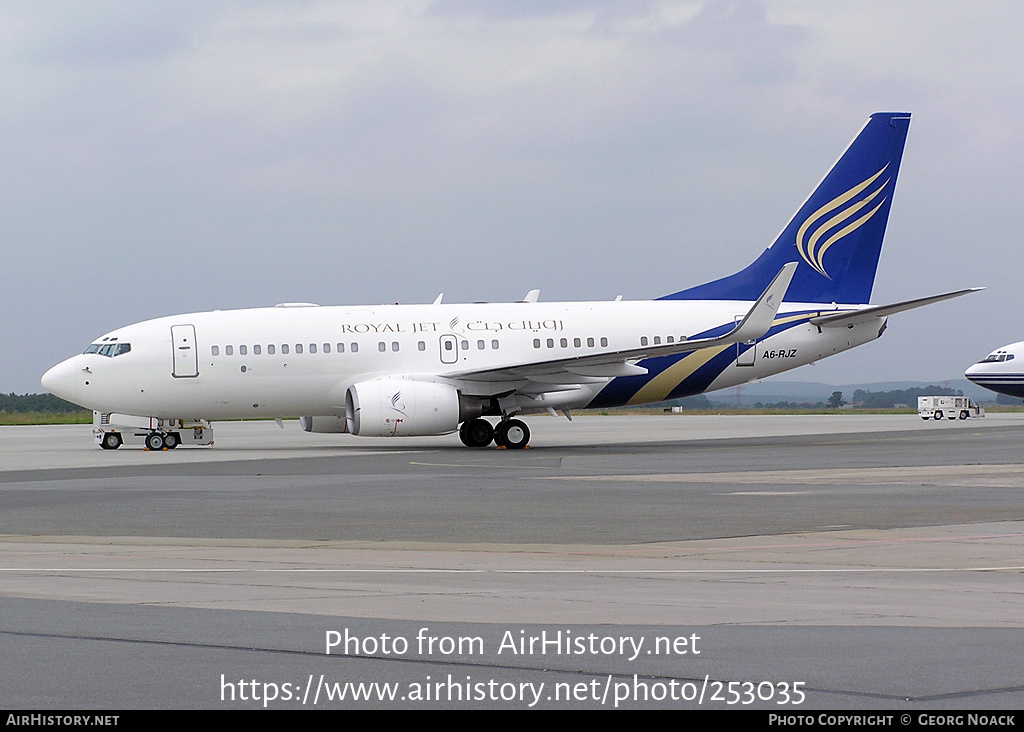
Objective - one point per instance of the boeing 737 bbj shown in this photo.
(429, 369)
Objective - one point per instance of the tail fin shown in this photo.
(836, 236)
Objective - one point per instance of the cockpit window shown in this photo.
(997, 356)
(109, 349)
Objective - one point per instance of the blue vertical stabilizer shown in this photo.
(836, 236)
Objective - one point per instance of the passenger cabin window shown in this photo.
(284, 348)
(494, 345)
(214, 350)
(256, 350)
(604, 343)
(355, 347)
(341, 348)
(243, 351)
(298, 348)
(382, 346)
(271, 349)
(327, 348)
(422, 346)
(229, 350)
(312, 348)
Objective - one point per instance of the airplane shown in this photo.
(1000, 371)
(406, 370)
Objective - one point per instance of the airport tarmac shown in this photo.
(812, 562)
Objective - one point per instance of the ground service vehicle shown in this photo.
(947, 407)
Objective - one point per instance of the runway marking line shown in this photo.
(951, 475)
(352, 570)
(480, 465)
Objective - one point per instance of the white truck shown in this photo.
(947, 407)
(112, 430)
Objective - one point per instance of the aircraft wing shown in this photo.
(852, 317)
(598, 367)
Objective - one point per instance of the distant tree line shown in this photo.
(698, 401)
(862, 399)
(790, 405)
(20, 404)
(886, 399)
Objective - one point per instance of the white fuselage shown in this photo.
(292, 361)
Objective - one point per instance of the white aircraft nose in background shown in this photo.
(1001, 371)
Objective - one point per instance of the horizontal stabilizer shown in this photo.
(852, 317)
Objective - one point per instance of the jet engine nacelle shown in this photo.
(399, 407)
(331, 425)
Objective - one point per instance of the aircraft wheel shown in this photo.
(155, 441)
(171, 440)
(513, 434)
(111, 441)
(963, 414)
(938, 414)
(476, 433)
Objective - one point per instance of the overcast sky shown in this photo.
(158, 158)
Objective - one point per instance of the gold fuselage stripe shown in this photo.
(662, 385)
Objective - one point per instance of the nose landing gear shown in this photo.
(161, 440)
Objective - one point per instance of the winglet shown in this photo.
(755, 323)
(761, 316)
(531, 296)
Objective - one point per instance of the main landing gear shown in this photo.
(509, 433)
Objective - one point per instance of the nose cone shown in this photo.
(64, 379)
(973, 372)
